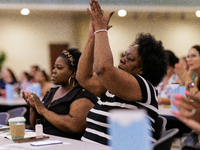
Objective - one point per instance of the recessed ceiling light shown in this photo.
(25, 11)
(197, 13)
(122, 13)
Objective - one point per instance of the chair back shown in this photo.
(166, 140)
(17, 112)
(161, 123)
(4, 118)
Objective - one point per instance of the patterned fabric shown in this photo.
(165, 93)
(69, 56)
(97, 125)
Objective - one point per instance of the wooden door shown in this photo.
(55, 51)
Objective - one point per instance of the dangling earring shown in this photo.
(70, 81)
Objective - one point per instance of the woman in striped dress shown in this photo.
(130, 86)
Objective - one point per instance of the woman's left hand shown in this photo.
(39, 106)
(97, 16)
(183, 74)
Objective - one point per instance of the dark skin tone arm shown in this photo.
(86, 77)
(74, 122)
(127, 87)
(33, 113)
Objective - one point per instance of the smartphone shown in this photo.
(46, 142)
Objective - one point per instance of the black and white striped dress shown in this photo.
(97, 125)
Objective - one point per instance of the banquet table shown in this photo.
(67, 143)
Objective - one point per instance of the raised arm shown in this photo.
(85, 75)
(117, 81)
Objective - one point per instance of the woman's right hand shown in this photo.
(91, 29)
(97, 16)
(188, 108)
(26, 95)
(183, 74)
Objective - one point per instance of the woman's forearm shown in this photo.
(85, 65)
(75, 121)
(65, 123)
(32, 117)
(102, 53)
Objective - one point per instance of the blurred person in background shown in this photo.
(8, 77)
(33, 70)
(43, 79)
(193, 60)
(24, 80)
(171, 77)
(183, 62)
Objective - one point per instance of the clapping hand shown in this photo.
(97, 16)
(189, 112)
(34, 99)
(26, 95)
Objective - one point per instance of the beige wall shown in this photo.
(177, 34)
(26, 39)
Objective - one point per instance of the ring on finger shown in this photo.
(193, 111)
(191, 100)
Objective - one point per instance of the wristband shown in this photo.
(101, 30)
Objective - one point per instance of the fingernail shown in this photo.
(176, 102)
(187, 92)
(176, 113)
(177, 96)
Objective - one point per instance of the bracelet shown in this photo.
(101, 30)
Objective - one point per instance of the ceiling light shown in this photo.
(197, 13)
(25, 11)
(122, 13)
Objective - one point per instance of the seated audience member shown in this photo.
(189, 111)
(34, 69)
(130, 86)
(24, 80)
(183, 62)
(42, 78)
(171, 77)
(7, 77)
(64, 108)
(193, 60)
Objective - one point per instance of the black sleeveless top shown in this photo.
(62, 106)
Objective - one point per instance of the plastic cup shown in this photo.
(9, 91)
(128, 128)
(176, 90)
(17, 127)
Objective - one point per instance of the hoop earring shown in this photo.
(69, 81)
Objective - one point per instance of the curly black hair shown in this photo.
(171, 58)
(152, 56)
(76, 55)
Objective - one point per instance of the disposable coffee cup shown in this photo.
(17, 127)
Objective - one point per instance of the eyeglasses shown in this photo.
(191, 56)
